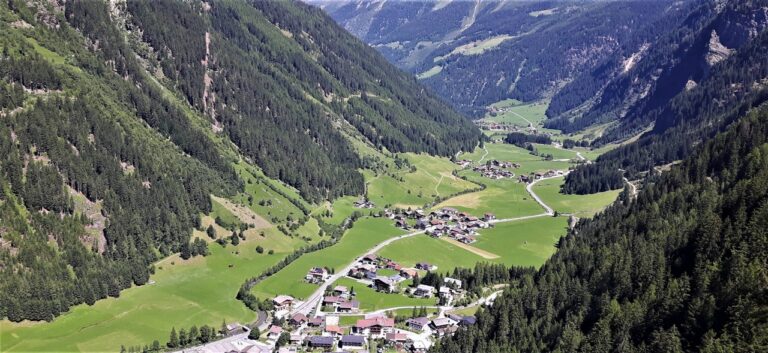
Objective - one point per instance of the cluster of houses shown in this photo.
(461, 226)
(367, 268)
(538, 175)
(340, 301)
(317, 275)
(363, 203)
(325, 332)
(495, 169)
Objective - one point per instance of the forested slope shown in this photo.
(487, 51)
(119, 120)
(733, 86)
(682, 268)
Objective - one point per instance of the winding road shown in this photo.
(314, 301)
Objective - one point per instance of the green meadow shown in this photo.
(366, 233)
(422, 248)
(578, 205)
(181, 294)
(527, 242)
(371, 300)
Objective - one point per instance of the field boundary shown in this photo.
(479, 252)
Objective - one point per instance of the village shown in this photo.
(296, 332)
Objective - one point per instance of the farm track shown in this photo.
(314, 301)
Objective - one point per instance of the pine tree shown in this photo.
(173, 341)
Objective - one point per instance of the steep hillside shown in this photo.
(682, 268)
(119, 120)
(477, 53)
(730, 87)
(678, 61)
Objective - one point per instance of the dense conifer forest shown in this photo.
(681, 268)
(139, 112)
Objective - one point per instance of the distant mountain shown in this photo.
(119, 119)
(473, 53)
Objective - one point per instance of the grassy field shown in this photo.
(422, 248)
(523, 243)
(371, 300)
(366, 233)
(578, 205)
(184, 293)
(429, 73)
(557, 153)
(520, 114)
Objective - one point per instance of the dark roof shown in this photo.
(352, 339)
(321, 340)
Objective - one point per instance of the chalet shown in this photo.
(424, 291)
(352, 341)
(466, 239)
(524, 179)
(408, 273)
(436, 222)
(283, 302)
(298, 320)
(341, 291)
(423, 266)
(235, 328)
(376, 327)
(362, 203)
(443, 326)
(445, 293)
(274, 332)
(384, 284)
(320, 342)
(393, 265)
(349, 306)
(295, 338)
(421, 223)
(452, 282)
(449, 210)
(316, 321)
(332, 301)
(316, 275)
(417, 324)
(333, 331)
(369, 259)
(419, 213)
(396, 337)
(402, 224)
(370, 275)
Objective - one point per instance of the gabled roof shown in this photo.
(397, 337)
(334, 329)
(378, 321)
(352, 304)
(280, 299)
(353, 339)
(333, 299)
(419, 321)
(275, 329)
(321, 340)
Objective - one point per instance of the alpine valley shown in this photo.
(383, 176)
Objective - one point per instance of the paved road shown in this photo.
(314, 301)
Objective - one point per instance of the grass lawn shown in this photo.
(366, 233)
(557, 153)
(578, 205)
(505, 197)
(422, 248)
(521, 114)
(371, 300)
(528, 242)
(429, 73)
(185, 293)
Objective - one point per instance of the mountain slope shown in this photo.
(680, 269)
(477, 53)
(119, 120)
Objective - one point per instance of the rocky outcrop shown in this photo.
(717, 52)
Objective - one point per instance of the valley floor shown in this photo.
(201, 290)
